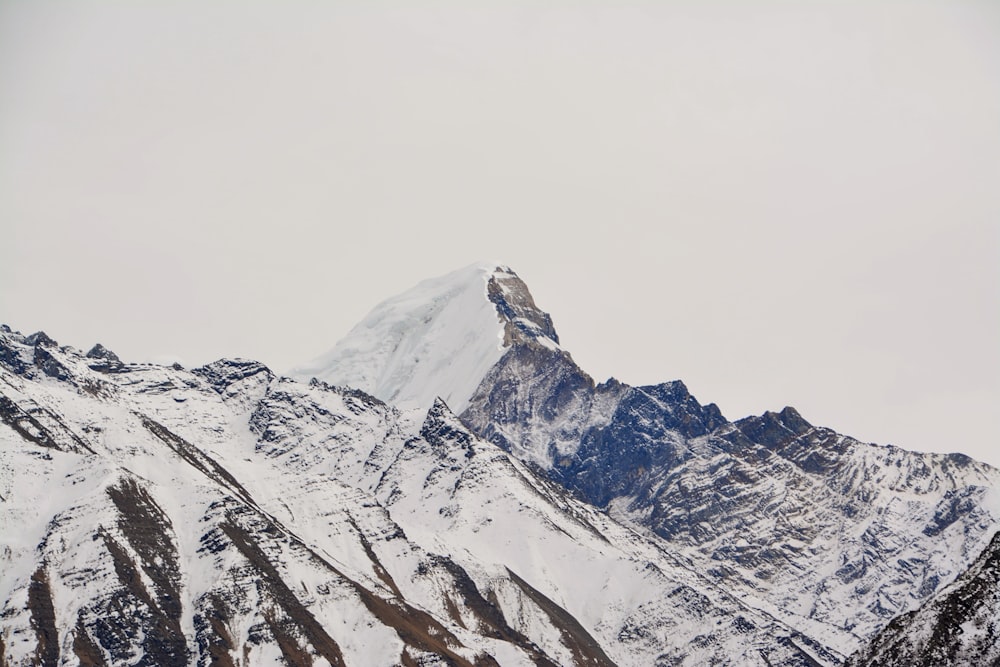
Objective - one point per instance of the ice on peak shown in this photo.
(437, 339)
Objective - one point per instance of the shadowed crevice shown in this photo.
(492, 622)
(297, 615)
(43, 619)
(85, 648)
(31, 429)
(197, 458)
(585, 649)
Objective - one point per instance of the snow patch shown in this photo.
(436, 340)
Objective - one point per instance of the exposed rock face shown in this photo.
(101, 352)
(104, 360)
(645, 435)
(522, 319)
(960, 625)
(536, 403)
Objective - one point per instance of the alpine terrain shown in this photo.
(447, 487)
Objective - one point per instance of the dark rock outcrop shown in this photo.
(958, 626)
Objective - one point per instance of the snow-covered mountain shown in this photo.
(158, 516)
(825, 528)
(447, 486)
(830, 532)
(437, 340)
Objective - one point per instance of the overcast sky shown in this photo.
(777, 202)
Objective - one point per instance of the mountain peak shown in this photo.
(515, 304)
(441, 427)
(437, 339)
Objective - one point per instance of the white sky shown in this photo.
(777, 202)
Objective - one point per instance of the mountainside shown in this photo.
(158, 516)
(830, 533)
(958, 626)
(826, 529)
(447, 486)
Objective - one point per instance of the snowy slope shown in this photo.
(632, 594)
(437, 339)
(124, 542)
(158, 516)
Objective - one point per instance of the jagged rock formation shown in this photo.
(958, 626)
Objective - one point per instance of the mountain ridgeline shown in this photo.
(447, 487)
